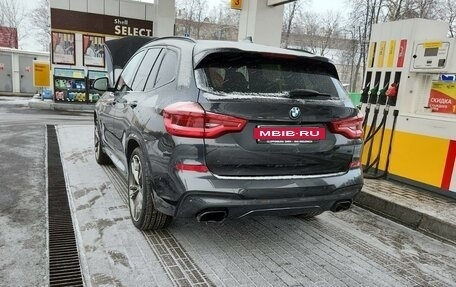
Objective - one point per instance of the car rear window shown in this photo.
(259, 74)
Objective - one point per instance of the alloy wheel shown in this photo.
(135, 190)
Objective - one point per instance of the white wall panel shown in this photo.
(78, 5)
(112, 7)
(60, 4)
(132, 9)
(96, 6)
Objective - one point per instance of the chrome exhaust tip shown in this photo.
(212, 216)
(341, 205)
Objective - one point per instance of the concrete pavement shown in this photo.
(424, 211)
(23, 248)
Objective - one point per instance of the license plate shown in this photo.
(289, 134)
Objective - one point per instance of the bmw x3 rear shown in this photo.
(241, 130)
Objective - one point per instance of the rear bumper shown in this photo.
(239, 198)
(197, 202)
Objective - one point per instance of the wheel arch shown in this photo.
(131, 145)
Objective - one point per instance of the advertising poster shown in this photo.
(63, 48)
(41, 74)
(443, 97)
(93, 51)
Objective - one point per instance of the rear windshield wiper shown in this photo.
(306, 93)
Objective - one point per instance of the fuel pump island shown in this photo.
(409, 104)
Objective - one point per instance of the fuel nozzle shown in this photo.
(365, 94)
(373, 95)
(382, 95)
(391, 93)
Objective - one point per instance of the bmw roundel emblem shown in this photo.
(295, 113)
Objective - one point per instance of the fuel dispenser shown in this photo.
(410, 70)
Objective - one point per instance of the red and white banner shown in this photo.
(443, 97)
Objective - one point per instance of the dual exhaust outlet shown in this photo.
(220, 215)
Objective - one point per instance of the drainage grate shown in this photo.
(64, 268)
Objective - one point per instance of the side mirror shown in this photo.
(101, 84)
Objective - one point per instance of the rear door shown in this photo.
(127, 104)
(293, 109)
(123, 88)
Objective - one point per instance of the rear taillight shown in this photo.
(352, 127)
(188, 119)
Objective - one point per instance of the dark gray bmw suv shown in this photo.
(215, 129)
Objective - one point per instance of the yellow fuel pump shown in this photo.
(411, 67)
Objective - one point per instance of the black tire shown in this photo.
(142, 210)
(309, 215)
(100, 156)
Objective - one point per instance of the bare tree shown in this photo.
(289, 16)
(227, 22)
(318, 32)
(405, 9)
(364, 14)
(193, 12)
(40, 20)
(448, 13)
(293, 15)
(12, 14)
(194, 18)
(329, 32)
(309, 31)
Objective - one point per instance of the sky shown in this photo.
(319, 6)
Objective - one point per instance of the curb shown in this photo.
(11, 94)
(48, 105)
(407, 216)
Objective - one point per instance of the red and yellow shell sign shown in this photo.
(443, 97)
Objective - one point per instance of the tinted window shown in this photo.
(259, 74)
(153, 74)
(145, 69)
(168, 69)
(125, 81)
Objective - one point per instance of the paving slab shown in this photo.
(352, 248)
